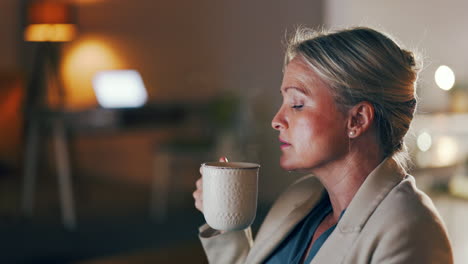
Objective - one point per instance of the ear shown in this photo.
(361, 117)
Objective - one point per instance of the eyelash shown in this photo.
(299, 106)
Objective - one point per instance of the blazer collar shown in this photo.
(374, 189)
(371, 193)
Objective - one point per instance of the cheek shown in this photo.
(306, 131)
(312, 126)
(316, 130)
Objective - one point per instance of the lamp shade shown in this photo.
(50, 21)
(49, 12)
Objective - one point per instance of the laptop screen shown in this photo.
(119, 89)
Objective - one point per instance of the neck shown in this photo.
(343, 178)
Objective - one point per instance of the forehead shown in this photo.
(298, 73)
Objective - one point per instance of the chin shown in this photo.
(287, 164)
(294, 165)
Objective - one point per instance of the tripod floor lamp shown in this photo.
(49, 23)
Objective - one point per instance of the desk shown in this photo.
(64, 127)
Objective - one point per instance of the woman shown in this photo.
(348, 100)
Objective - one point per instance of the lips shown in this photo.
(284, 143)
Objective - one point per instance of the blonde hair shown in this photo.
(361, 64)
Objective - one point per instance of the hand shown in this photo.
(198, 193)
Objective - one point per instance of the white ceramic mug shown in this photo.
(230, 194)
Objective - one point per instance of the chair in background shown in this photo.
(169, 160)
(196, 143)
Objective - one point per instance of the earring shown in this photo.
(351, 133)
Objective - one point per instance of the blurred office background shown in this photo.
(82, 181)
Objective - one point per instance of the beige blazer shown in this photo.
(388, 221)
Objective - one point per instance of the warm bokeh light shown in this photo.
(424, 141)
(447, 151)
(444, 78)
(458, 185)
(11, 117)
(119, 89)
(81, 62)
(50, 32)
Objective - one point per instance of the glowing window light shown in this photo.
(444, 78)
(424, 141)
(119, 89)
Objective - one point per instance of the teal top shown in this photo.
(294, 247)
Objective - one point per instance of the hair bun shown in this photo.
(408, 57)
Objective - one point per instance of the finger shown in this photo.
(199, 183)
(199, 206)
(223, 159)
(197, 194)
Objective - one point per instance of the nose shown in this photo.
(278, 121)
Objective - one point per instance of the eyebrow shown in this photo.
(301, 90)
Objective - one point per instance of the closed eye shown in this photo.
(297, 106)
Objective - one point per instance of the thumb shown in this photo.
(223, 159)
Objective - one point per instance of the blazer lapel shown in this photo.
(274, 234)
(374, 189)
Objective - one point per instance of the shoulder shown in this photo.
(406, 200)
(407, 225)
